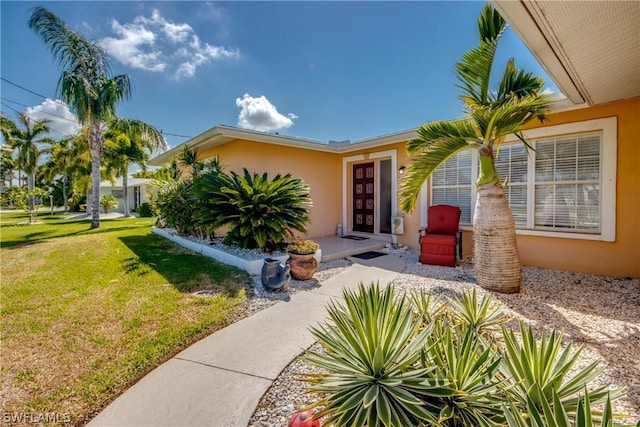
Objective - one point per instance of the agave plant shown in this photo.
(484, 317)
(373, 349)
(556, 415)
(260, 212)
(541, 369)
(471, 368)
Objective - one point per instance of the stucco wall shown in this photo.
(622, 257)
(321, 171)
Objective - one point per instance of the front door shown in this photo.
(363, 197)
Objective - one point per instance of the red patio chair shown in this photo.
(441, 242)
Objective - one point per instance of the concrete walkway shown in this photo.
(220, 380)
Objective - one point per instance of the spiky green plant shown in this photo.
(556, 416)
(540, 368)
(471, 368)
(373, 348)
(259, 212)
(484, 317)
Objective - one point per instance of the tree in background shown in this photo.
(492, 115)
(130, 141)
(86, 85)
(27, 137)
(63, 155)
(7, 166)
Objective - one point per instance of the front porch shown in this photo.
(336, 247)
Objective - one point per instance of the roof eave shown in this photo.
(523, 21)
(222, 134)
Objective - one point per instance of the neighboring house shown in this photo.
(139, 191)
(576, 199)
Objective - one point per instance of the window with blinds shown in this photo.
(567, 183)
(511, 165)
(556, 188)
(451, 184)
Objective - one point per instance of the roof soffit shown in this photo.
(590, 49)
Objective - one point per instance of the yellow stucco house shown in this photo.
(576, 199)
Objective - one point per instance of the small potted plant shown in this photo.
(302, 259)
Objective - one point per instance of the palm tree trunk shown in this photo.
(31, 183)
(125, 192)
(497, 262)
(64, 193)
(95, 148)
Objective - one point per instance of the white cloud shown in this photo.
(130, 48)
(174, 32)
(152, 44)
(62, 120)
(201, 55)
(260, 114)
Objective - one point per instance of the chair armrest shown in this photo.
(421, 232)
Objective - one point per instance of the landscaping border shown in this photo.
(253, 267)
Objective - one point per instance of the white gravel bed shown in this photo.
(602, 313)
(260, 298)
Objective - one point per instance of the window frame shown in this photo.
(607, 128)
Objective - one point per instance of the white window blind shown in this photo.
(511, 165)
(451, 184)
(556, 188)
(567, 183)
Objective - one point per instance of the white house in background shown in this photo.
(139, 191)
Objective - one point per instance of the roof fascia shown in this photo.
(221, 134)
(525, 19)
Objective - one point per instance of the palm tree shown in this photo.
(63, 155)
(130, 141)
(492, 115)
(27, 138)
(189, 158)
(86, 85)
(7, 165)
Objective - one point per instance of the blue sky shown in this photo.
(316, 70)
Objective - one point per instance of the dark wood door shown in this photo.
(363, 197)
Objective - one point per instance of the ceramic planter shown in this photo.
(303, 266)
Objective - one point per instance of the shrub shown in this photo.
(145, 210)
(108, 201)
(392, 363)
(260, 212)
(14, 196)
(175, 205)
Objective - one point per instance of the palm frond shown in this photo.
(517, 83)
(474, 69)
(509, 117)
(70, 50)
(436, 142)
(150, 138)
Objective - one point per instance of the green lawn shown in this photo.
(86, 313)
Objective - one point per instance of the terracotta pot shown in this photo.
(302, 266)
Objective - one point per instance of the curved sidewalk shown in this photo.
(219, 380)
